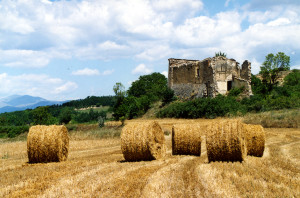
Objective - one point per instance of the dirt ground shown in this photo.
(96, 168)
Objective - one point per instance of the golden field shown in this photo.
(96, 168)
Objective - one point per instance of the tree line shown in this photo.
(14, 123)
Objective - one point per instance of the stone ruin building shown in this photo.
(209, 77)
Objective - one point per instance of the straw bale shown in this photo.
(255, 139)
(143, 141)
(225, 141)
(186, 139)
(47, 144)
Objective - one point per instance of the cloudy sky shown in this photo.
(62, 50)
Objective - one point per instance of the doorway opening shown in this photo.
(229, 85)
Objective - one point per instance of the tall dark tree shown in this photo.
(118, 107)
(65, 115)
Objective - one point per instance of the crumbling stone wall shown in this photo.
(191, 78)
(207, 78)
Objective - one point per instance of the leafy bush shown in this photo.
(13, 131)
(203, 108)
(293, 79)
(91, 116)
(236, 91)
(142, 93)
(101, 121)
(153, 85)
(65, 115)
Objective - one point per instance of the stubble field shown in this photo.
(96, 168)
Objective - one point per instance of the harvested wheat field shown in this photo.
(96, 168)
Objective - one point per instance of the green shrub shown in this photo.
(203, 108)
(236, 91)
(91, 116)
(101, 121)
(13, 131)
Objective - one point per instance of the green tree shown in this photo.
(118, 108)
(119, 89)
(144, 91)
(271, 67)
(293, 78)
(258, 88)
(220, 54)
(41, 115)
(65, 115)
(153, 85)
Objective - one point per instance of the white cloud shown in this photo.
(86, 72)
(12, 22)
(255, 66)
(155, 52)
(203, 30)
(165, 73)
(24, 58)
(66, 88)
(91, 72)
(279, 22)
(32, 84)
(108, 72)
(35, 32)
(109, 45)
(91, 29)
(141, 69)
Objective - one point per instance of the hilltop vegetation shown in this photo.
(14, 123)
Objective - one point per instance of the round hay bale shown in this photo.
(255, 139)
(143, 141)
(47, 144)
(186, 139)
(225, 141)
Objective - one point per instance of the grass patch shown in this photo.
(96, 109)
(21, 137)
(99, 133)
(286, 118)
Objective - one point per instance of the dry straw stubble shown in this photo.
(47, 144)
(186, 139)
(255, 139)
(143, 141)
(225, 141)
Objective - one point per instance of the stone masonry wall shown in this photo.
(207, 78)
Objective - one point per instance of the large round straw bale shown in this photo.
(186, 139)
(47, 144)
(143, 141)
(225, 141)
(255, 139)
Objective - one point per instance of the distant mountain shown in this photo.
(19, 103)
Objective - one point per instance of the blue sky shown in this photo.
(62, 50)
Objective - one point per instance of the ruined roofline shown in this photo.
(182, 59)
(209, 58)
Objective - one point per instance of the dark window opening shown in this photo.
(198, 72)
(229, 85)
